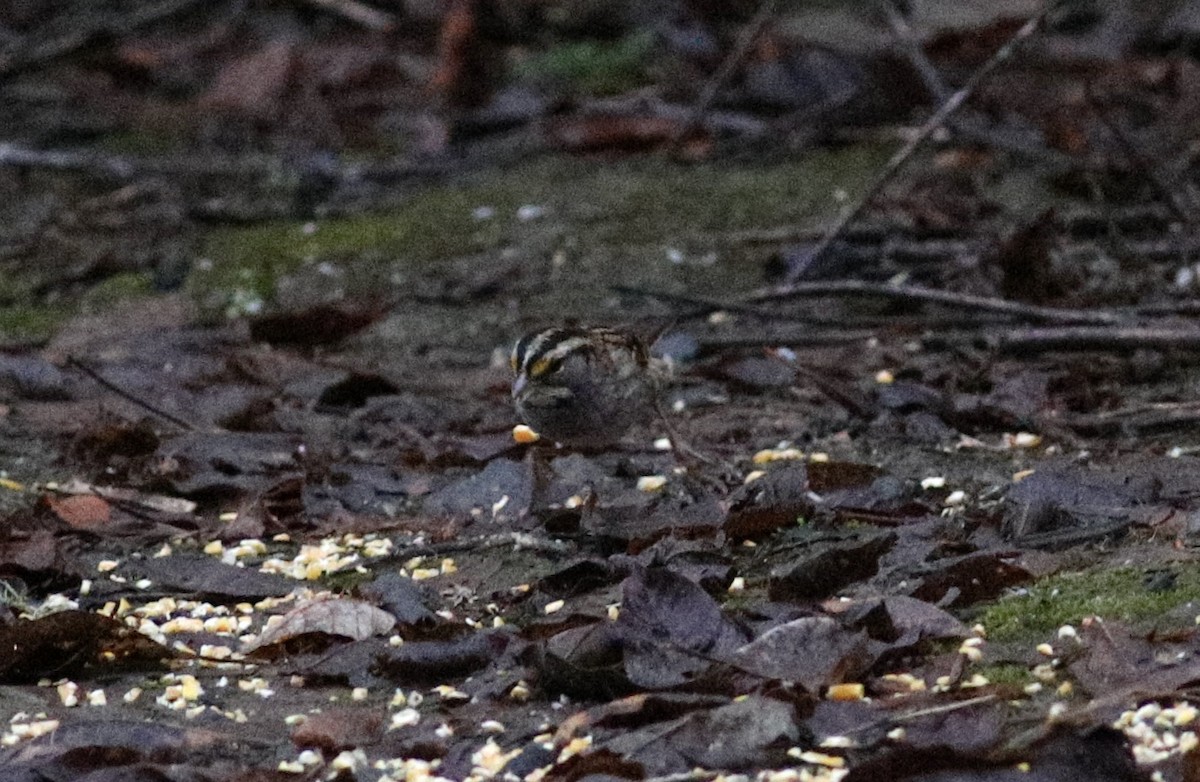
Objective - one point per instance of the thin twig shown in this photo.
(1121, 338)
(128, 167)
(1139, 418)
(846, 329)
(945, 709)
(695, 775)
(915, 293)
(685, 449)
(732, 62)
(364, 15)
(1182, 307)
(701, 306)
(120, 167)
(391, 175)
(844, 398)
(1061, 539)
(929, 711)
(1142, 164)
(802, 338)
(902, 156)
(966, 126)
(127, 396)
(934, 84)
(518, 541)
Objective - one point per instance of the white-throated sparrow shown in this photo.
(584, 386)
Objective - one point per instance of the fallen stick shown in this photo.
(897, 161)
(75, 363)
(918, 294)
(364, 15)
(749, 35)
(1119, 338)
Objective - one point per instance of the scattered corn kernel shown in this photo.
(1022, 440)
(821, 759)
(405, 718)
(651, 482)
(524, 434)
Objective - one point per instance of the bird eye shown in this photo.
(513, 362)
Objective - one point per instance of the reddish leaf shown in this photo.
(962, 581)
(82, 511)
(468, 61)
(338, 729)
(613, 133)
(254, 85)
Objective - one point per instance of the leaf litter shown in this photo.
(839, 643)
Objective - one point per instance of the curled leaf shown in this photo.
(352, 619)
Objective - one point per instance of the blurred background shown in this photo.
(266, 156)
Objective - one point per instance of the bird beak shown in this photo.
(519, 385)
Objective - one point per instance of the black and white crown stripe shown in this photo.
(549, 344)
(555, 344)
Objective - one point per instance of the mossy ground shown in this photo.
(1120, 593)
(649, 221)
(593, 67)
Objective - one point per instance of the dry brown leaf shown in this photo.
(352, 619)
(82, 511)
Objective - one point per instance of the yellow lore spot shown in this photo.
(850, 691)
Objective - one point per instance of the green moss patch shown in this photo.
(30, 322)
(620, 219)
(594, 67)
(1004, 673)
(1110, 593)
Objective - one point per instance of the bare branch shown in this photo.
(732, 62)
(932, 296)
(898, 160)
